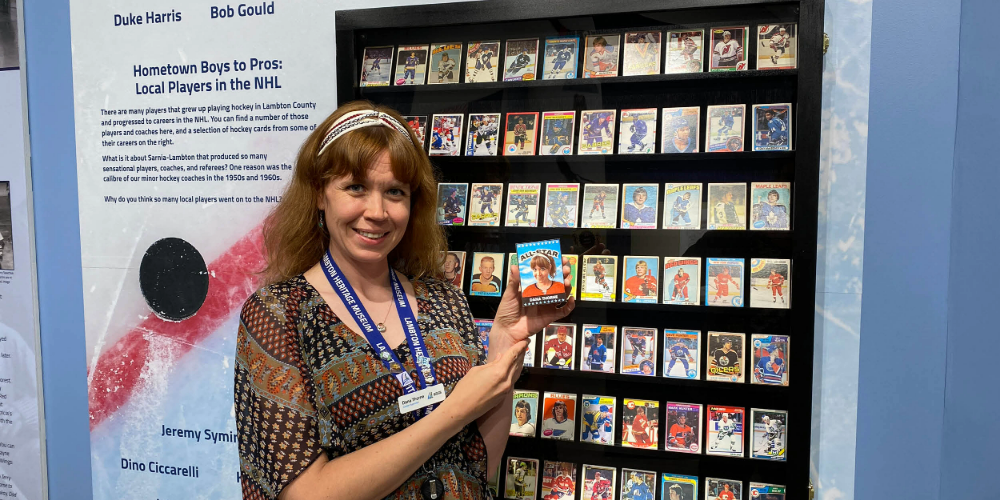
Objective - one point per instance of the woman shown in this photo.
(542, 268)
(317, 381)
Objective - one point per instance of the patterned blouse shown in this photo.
(306, 384)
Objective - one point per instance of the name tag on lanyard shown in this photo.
(422, 398)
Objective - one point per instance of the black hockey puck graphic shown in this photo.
(173, 279)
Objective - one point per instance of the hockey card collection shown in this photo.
(772, 127)
(638, 131)
(729, 48)
(558, 412)
(684, 51)
(519, 134)
(557, 133)
(639, 210)
(411, 65)
(770, 283)
(522, 204)
(639, 351)
(777, 46)
(769, 209)
(638, 485)
(485, 204)
(597, 132)
(558, 346)
(559, 62)
(640, 423)
(683, 277)
(486, 276)
(725, 431)
(524, 415)
(522, 478)
(484, 133)
(640, 281)
(597, 420)
(446, 135)
(724, 130)
(723, 489)
(598, 278)
(482, 61)
(597, 352)
(683, 354)
(683, 427)
(681, 128)
(601, 56)
(446, 60)
(726, 357)
(540, 265)
(678, 487)
(641, 55)
(768, 434)
(682, 206)
(770, 359)
(600, 206)
(558, 480)
(451, 202)
(724, 282)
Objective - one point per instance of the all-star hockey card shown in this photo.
(376, 67)
(558, 346)
(778, 46)
(482, 61)
(451, 201)
(639, 351)
(598, 482)
(557, 133)
(727, 202)
(419, 126)
(446, 63)
(723, 489)
(486, 273)
(597, 351)
(560, 58)
(684, 51)
(484, 326)
(522, 478)
(640, 424)
(682, 354)
(600, 205)
(769, 434)
(524, 413)
(446, 135)
(520, 133)
(411, 65)
(724, 434)
(561, 202)
(597, 420)
(678, 487)
(772, 127)
(770, 359)
(639, 209)
(484, 135)
(597, 132)
(683, 281)
(574, 273)
(638, 484)
(558, 480)
(640, 279)
(522, 204)
(598, 278)
(641, 55)
(529, 353)
(724, 131)
(540, 265)
(769, 206)
(601, 55)
(770, 283)
(682, 206)
(726, 357)
(683, 427)
(764, 491)
(729, 48)
(681, 130)
(638, 131)
(453, 267)
(520, 59)
(724, 278)
(558, 413)
(484, 207)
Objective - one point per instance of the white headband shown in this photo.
(359, 119)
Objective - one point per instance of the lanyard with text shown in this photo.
(412, 399)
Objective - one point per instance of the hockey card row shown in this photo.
(633, 53)
(525, 480)
(635, 129)
(609, 206)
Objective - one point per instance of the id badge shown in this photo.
(422, 398)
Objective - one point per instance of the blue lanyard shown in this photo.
(425, 370)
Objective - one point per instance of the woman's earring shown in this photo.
(321, 217)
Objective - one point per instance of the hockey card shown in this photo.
(529, 353)
(724, 132)
(597, 352)
(638, 131)
(601, 57)
(764, 491)
(638, 484)
(519, 134)
(770, 283)
(598, 278)
(683, 427)
(640, 424)
(451, 203)
(519, 62)
(769, 434)
(558, 346)
(540, 265)
(640, 279)
(725, 431)
(453, 267)
(411, 65)
(778, 46)
(683, 276)
(639, 351)
(557, 416)
(598, 482)
(726, 357)
(682, 206)
(561, 202)
(522, 478)
(678, 487)
(419, 126)
(486, 280)
(482, 61)
(484, 326)
(597, 420)
(641, 55)
(559, 62)
(484, 135)
(446, 135)
(723, 489)
(769, 206)
(522, 204)
(729, 48)
(574, 273)
(639, 210)
(446, 63)
(524, 415)
(557, 133)
(682, 354)
(770, 359)
(684, 51)
(681, 130)
(724, 279)
(600, 204)
(375, 67)
(484, 206)
(558, 480)
(597, 132)
(727, 205)
(772, 127)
